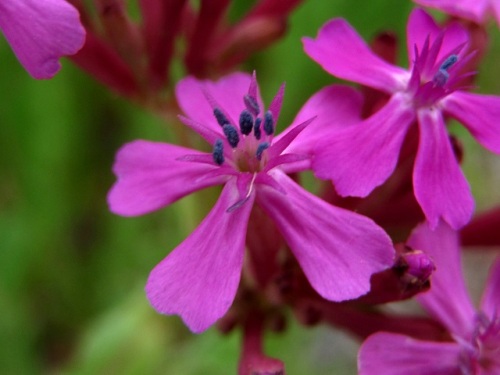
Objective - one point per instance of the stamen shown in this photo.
(246, 122)
(260, 149)
(449, 62)
(251, 104)
(442, 75)
(231, 135)
(440, 78)
(268, 123)
(221, 117)
(218, 152)
(256, 128)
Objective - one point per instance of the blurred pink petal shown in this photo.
(393, 354)
(490, 303)
(40, 32)
(474, 10)
(454, 310)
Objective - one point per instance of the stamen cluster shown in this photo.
(246, 141)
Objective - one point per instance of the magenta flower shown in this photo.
(474, 10)
(475, 348)
(337, 249)
(40, 32)
(362, 157)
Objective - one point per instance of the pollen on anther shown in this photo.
(256, 128)
(246, 122)
(221, 117)
(231, 135)
(268, 123)
(218, 152)
(260, 149)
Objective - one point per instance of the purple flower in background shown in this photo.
(359, 158)
(474, 10)
(40, 32)
(337, 249)
(475, 348)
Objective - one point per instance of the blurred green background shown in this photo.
(72, 274)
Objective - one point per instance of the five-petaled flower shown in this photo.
(475, 344)
(337, 249)
(361, 157)
(40, 32)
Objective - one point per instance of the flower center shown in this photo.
(433, 76)
(248, 141)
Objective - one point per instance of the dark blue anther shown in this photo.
(256, 128)
(442, 75)
(221, 117)
(231, 135)
(448, 63)
(251, 104)
(260, 149)
(268, 123)
(246, 122)
(218, 152)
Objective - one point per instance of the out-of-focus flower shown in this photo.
(474, 10)
(40, 32)
(362, 157)
(476, 333)
(337, 249)
(135, 59)
(216, 45)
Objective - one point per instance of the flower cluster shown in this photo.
(389, 204)
(338, 260)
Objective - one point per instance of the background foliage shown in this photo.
(72, 274)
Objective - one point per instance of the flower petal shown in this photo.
(340, 50)
(473, 10)
(227, 92)
(393, 354)
(150, 177)
(439, 184)
(333, 107)
(421, 26)
(479, 114)
(490, 302)
(496, 11)
(40, 32)
(199, 279)
(361, 157)
(447, 300)
(338, 250)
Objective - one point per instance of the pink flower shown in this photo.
(475, 348)
(337, 249)
(474, 10)
(362, 157)
(40, 32)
